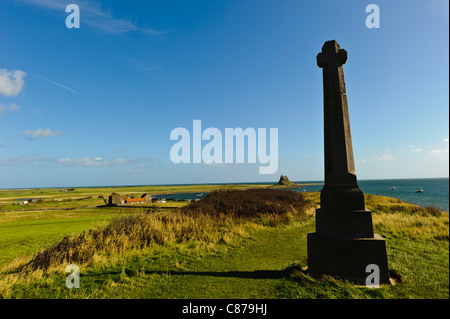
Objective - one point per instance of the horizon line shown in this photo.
(217, 183)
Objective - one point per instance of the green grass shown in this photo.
(243, 269)
(25, 228)
(258, 258)
(26, 236)
(266, 265)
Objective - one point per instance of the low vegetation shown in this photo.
(216, 219)
(249, 204)
(232, 244)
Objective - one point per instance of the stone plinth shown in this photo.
(347, 258)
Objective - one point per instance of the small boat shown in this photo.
(392, 188)
(419, 191)
(200, 195)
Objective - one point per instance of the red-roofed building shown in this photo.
(135, 200)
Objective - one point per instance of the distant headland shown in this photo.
(284, 182)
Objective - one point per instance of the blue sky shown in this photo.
(96, 105)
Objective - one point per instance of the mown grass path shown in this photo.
(254, 268)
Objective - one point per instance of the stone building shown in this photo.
(147, 197)
(114, 199)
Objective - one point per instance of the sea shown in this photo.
(435, 190)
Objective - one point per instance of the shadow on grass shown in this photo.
(255, 274)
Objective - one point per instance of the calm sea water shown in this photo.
(435, 190)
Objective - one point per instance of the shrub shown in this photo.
(249, 203)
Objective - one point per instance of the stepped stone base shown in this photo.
(347, 258)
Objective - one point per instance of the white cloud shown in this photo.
(11, 107)
(437, 152)
(441, 153)
(417, 150)
(92, 162)
(11, 82)
(41, 133)
(386, 157)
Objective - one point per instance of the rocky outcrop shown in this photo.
(285, 182)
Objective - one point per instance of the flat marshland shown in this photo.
(238, 242)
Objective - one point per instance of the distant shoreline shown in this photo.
(215, 184)
(163, 185)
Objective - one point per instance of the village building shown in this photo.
(114, 199)
(147, 197)
(135, 201)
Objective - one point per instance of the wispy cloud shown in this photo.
(55, 83)
(92, 162)
(441, 153)
(139, 168)
(439, 8)
(127, 166)
(144, 67)
(20, 160)
(386, 156)
(11, 107)
(93, 15)
(41, 133)
(416, 150)
(11, 82)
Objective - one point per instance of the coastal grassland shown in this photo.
(248, 247)
(25, 228)
(417, 243)
(189, 231)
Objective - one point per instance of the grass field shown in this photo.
(25, 228)
(262, 256)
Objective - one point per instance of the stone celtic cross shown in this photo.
(339, 163)
(344, 243)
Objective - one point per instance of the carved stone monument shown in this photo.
(344, 243)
